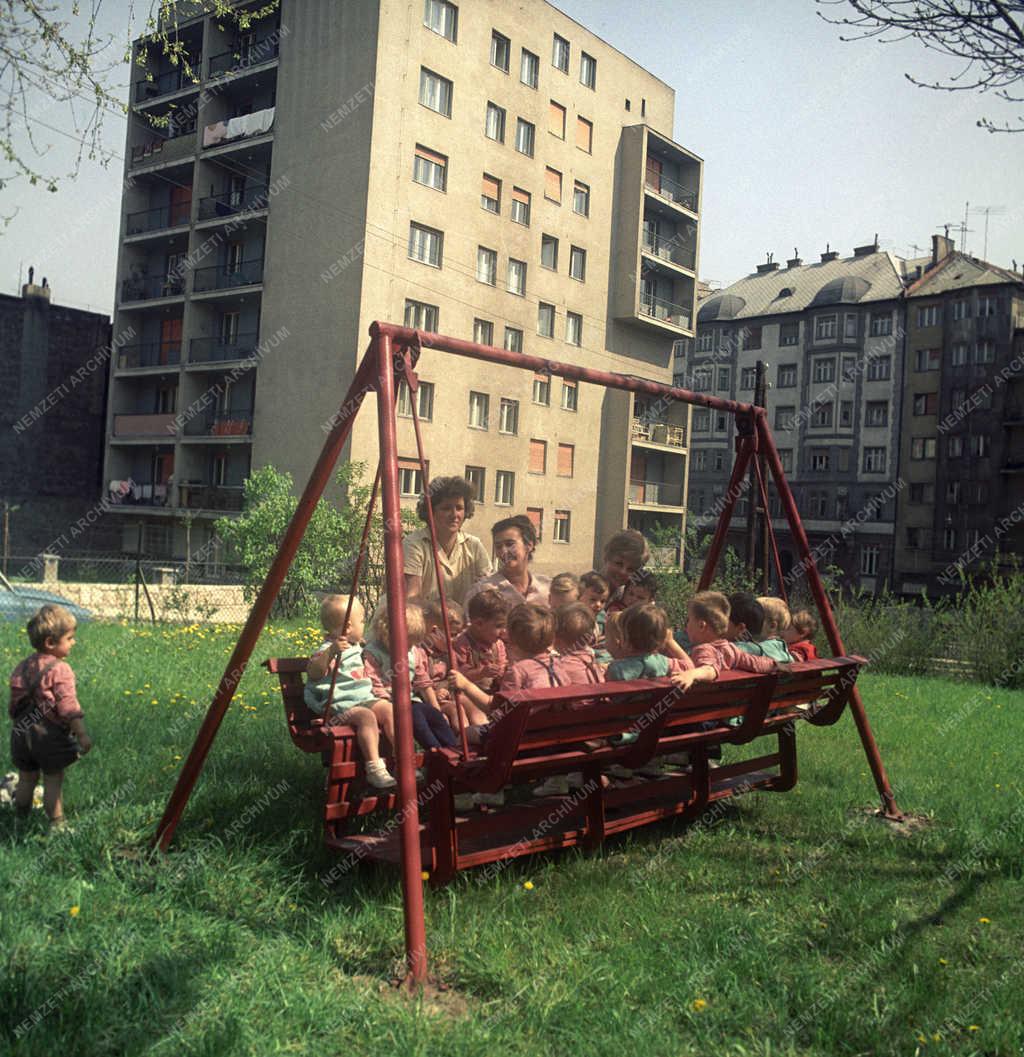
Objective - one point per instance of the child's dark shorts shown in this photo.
(43, 746)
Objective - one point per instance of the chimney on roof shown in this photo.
(942, 247)
(829, 254)
(30, 290)
(769, 265)
(863, 251)
(794, 261)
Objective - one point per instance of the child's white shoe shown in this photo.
(378, 775)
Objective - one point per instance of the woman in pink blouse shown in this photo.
(515, 540)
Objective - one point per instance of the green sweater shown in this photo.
(774, 648)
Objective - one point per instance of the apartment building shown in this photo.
(490, 172)
(830, 333)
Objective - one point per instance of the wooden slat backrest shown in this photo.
(306, 728)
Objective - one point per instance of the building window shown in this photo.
(824, 369)
(584, 134)
(524, 137)
(549, 252)
(819, 504)
(985, 351)
(784, 417)
(719, 465)
(426, 245)
(927, 359)
(556, 119)
(560, 53)
(987, 306)
(477, 478)
(959, 354)
(573, 328)
(881, 324)
(410, 478)
(546, 320)
(922, 493)
(954, 447)
(513, 339)
(561, 533)
(501, 51)
(588, 70)
(822, 415)
(786, 458)
(421, 316)
(529, 68)
(869, 560)
(483, 332)
(751, 337)
(748, 378)
(928, 316)
(508, 417)
(825, 327)
(424, 403)
(705, 341)
(516, 280)
(435, 92)
(581, 198)
(845, 412)
(926, 403)
(879, 368)
(521, 206)
(504, 487)
(479, 409)
(819, 460)
(701, 420)
(850, 325)
(542, 389)
(849, 368)
(949, 538)
(430, 168)
(923, 448)
(723, 380)
(957, 397)
(874, 460)
(494, 123)
(876, 413)
(487, 266)
(490, 194)
(570, 395)
(552, 185)
(786, 377)
(980, 446)
(960, 310)
(789, 333)
(701, 379)
(538, 456)
(536, 516)
(578, 263)
(443, 18)
(700, 460)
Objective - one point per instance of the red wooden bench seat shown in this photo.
(540, 733)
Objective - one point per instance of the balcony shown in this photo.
(157, 219)
(663, 311)
(655, 493)
(222, 424)
(149, 88)
(136, 493)
(177, 143)
(164, 426)
(670, 190)
(210, 496)
(244, 127)
(246, 55)
(1013, 415)
(227, 276)
(231, 203)
(218, 350)
(671, 250)
(150, 287)
(148, 354)
(671, 436)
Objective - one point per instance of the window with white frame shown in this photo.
(588, 70)
(876, 413)
(581, 198)
(751, 337)
(927, 359)
(850, 325)
(516, 277)
(786, 458)
(723, 380)
(819, 460)
(954, 447)
(430, 168)
(545, 320)
(508, 416)
(525, 135)
(410, 478)
(483, 331)
(542, 389)
(881, 324)
(529, 68)
(825, 327)
(845, 412)
(869, 559)
(927, 404)
(701, 420)
(424, 402)
(784, 417)
(923, 447)
(477, 478)
(702, 379)
(487, 266)
(513, 339)
(520, 206)
(786, 377)
(705, 341)
(879, 368)
(959, 354)
(987, 305)
(985, 351)
(949, 538)
(421, 316)
(479, 409)
(719, 457)
(789, 333)
(573, 328)
(435, 92)
(824, 369)
(570, 395)
(700, 460)
(748, 378)
(504, 488)
(549, 252)
(980, 445)
(562, 527)
(443, 18)
(928, 316)
(490, 194)
(501, 51)
(494, 123)
(849, 368)
(560, 53)
(821, 417)
(874, 460)
(578, 263)
(426, 245)
(961, 309)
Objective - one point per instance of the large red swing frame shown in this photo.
(392, 352)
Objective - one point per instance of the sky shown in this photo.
(806, 140)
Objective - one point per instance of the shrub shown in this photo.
(986, 633)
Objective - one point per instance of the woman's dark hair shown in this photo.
(524, 526)
(442, 488)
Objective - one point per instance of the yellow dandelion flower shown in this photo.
(936, 1037)
(973, 1027)
(943, 961)
(424, 876)
(74, 911)
(699, 1004)
(984, 921)
(528, 885)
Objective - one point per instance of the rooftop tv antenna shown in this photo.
(996, 211)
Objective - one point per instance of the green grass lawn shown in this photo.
(780, 925)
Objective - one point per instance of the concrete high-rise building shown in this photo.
(482, 170)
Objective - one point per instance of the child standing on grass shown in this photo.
(49, 730)
(353, 701)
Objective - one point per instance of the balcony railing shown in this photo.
(149, 354)
(228, 276)
(655, 493)
(160, 217)
(172, 81)
(659, 433)
(243, 56)
(137, 493)
(241, 127)
(221, 424)
(217, 350)
(147, 287)
(665, 187)
(670, 250)
(177, 142)
(666, 311)
(210, 496)
(231, 203)
(159, 425)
